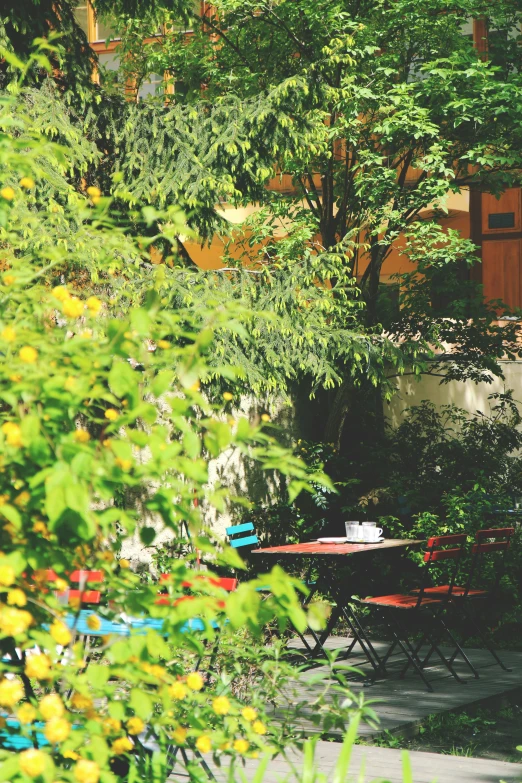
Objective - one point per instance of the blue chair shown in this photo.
(18, 742)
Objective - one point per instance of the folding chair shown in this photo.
(422, 611)
(487, 542)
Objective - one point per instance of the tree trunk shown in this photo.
(337, 414)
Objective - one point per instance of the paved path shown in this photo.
(403, 704)
(383, 764)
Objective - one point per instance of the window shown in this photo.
(152, 86)
(81, 14)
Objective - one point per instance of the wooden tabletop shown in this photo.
(314, 548)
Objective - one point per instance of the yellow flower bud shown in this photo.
(8, 334)
(249, 713)
(81, 702)
(195, 681)
(123, 563)
(177, 691)
(27, 183)
(11, 692)
(38, 667)
(265, 417)
(61, 293)
(7, 193)
(17, 597)
(32, 762)
(87, 771)
(221, 705)
(57, 730)
(259, 727)
(60, 633)
(7, 575)
(204, 744)
(122, 745)
(73, 307)
(81, 436)
(93, 622)
(13, 433)
(163, 344)
(51, 706)
(111, 414)
(241, 745)
(228, 396)
(28, 354)
(135, 725)
(93, 191)
(94, 305)
(179, 735)
(26, 713)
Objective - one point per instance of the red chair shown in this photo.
(79, 594)
(487, 543)
(420, 611)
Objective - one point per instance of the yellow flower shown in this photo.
(196, 386)
(8, 334)
(70, 754)
(111, 725)
(228, 396)
(81, 436)
(153, 668)
(195, 681)
(15, 377)
(249, 713)
(27, 183)
(81, 702)
(57, 730)
(93, 191)
(259, 727)
(163, 344)
(122, 745)
(265, 417)
(61, 584)
(94, 305)
(60, 633)
(73, 307)
(123, 563)
(241, 745)
(28, 354)
(51, 706)
(22, 499)
(26, 713)
(70, 383)
(32, 762)
(204, 744)
(38, 666)
(14, 621)
(13, 433)
(87, 771)
(11, 692)
(177, 691)
(221, 705)
(135, 725)
(179, 735)
(61, 293)
(7, 193)
(3, 499)
(111, 414)
(124, 464)
(93, 622)
(107, 443)
(7, 575)
(107, 556)
(17, 597)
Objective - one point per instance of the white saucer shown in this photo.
(361, 541)
(342, 540)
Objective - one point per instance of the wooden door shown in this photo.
(501, 271)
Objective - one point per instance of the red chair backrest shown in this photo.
(493, 540)
(436, 551)
(80, 577)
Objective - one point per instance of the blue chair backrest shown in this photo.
(236, 530)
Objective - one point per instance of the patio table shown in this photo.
(326, 556)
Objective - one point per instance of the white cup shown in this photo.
(370, 531)
(353, 531)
